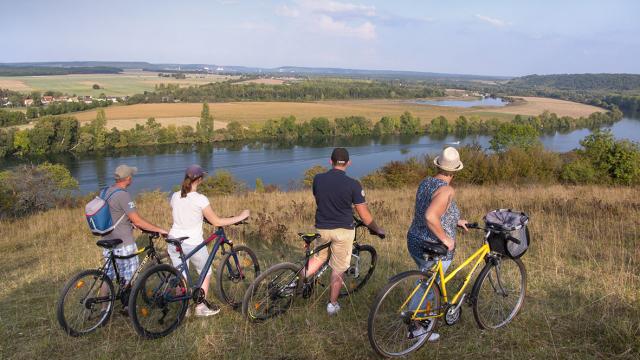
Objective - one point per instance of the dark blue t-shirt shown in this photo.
(335, 195)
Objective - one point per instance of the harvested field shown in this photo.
(257, 112)
(537, 105)
(126, 83)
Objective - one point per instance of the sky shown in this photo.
(510, 38)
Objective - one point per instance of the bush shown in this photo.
(29, 189)
(221, 183)
(514, 135)
(309, 174)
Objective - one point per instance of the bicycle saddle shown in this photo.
(177, 241)
(109, 244)
(434, 249)
(309, 237)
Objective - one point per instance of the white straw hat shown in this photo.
(448, 160)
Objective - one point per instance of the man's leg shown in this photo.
(336, 285)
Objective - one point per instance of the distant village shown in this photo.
(46, 100)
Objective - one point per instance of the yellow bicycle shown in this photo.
(414, 301)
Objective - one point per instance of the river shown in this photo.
(162, 167)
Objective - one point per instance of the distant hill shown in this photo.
(232, 69)
(14, 70)
(579, 82)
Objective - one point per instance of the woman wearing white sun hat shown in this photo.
(435, 220)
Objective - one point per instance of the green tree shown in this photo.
(513, 135)
(259, 185)
(32, 112)
(99, 130)
(204, 127)
(409, 124)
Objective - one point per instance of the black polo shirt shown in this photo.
(335, 195)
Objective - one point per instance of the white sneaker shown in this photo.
(204, 310)
(332, 309)
(420, 330)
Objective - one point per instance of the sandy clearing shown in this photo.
(537, 105)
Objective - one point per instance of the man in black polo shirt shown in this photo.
(336, 194)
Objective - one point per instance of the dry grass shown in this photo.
(583, 294)
(537, 105)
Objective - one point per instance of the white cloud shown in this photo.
(493, 21)
(366, 30)
(334, 17)
(286, 11)
(339, 8)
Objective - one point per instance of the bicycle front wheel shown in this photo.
(499, 292)
(363, 263)
(158, 301)
(85, 303)
(402, 316)
(272, 293)
(237, 270)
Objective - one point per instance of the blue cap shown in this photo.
(194, 171)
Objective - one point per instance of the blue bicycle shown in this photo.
(160, 298)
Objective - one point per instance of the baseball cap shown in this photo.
(124, 171)
(194, 171)
(340, 156)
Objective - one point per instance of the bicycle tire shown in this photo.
(401, 320)
(75, 282)
(353, 286)
(280, 290)
(250, 273)
(157, 298)
(478, 297)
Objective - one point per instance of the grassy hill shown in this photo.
(583, 296)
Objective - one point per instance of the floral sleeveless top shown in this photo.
(419, 231)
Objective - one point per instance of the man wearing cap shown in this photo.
(336, 194)
(435, 219)
(123, 211)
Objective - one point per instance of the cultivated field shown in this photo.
(127, 83)
(583, 299)
(257, 112)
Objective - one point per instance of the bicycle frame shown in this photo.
(149, 249)
(220, 241)
(438, 273)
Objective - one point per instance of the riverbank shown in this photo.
(582, 296)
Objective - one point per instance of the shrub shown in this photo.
(514, 135)
(221, 183)
(309, 174)
(28, 189)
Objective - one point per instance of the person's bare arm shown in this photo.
(439, 203)
(215, 220)
(367, 218)
(139, 222)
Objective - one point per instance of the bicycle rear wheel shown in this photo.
(157, 304)
(391, 327)
(272, 293)
(237, 270)
(83, 306)
(363, 263)
(499, 292)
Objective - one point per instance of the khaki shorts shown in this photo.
(341, 247)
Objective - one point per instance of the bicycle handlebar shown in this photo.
(359, 223)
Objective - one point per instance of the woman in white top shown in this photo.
(189, 208)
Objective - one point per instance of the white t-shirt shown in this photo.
(188, 217)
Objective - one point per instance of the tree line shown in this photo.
(309, 90)
(56, 134)
(12, 70)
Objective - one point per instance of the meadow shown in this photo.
(257, 112)
(583, 295)
(126, 83)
